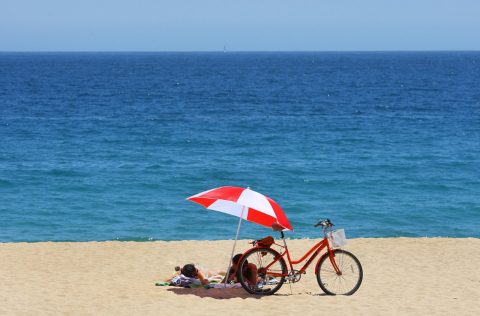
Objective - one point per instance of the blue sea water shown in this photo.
(106, 146)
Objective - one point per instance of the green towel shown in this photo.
(162, 283)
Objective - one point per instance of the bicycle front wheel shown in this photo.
(264, 271)
(345, 282)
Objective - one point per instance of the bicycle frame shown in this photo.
(337, 271)
(314, 251)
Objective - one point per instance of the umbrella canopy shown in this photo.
(244, 203)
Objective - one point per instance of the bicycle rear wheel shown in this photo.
(347, 281)
(270, 271)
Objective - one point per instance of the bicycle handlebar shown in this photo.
(324, 223)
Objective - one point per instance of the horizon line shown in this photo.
(243, 51)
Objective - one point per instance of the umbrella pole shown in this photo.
(233, 250)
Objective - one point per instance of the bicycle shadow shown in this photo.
(316, 294)
(300, 293)
(220, 294)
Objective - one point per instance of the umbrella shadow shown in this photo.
(231, 293)
(220, 294)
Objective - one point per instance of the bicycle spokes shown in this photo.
(344, 281)
(270, 271)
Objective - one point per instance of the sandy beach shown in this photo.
(402, 276)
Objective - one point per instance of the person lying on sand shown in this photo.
(192, 272)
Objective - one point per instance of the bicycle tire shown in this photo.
(266, 284)
(346, 283)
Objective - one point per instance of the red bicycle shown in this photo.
(338, 271)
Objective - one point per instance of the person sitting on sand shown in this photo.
(249, 271)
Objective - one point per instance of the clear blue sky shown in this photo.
(241, 25)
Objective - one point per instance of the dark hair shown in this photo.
(237, 258)
(189, 270)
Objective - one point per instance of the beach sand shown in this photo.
(402, 276)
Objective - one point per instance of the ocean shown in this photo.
(107, 146)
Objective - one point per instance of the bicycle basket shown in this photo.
(338, 238)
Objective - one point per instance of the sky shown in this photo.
(240, 25)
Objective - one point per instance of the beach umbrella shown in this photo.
(245, 204)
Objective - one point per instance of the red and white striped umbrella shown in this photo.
(244, 203)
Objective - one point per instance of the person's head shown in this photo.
(189, 270)
(236, 259)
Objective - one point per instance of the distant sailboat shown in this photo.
(224, 48)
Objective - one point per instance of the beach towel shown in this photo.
(181, 280)
(222, 286)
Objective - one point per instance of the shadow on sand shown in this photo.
(228, 293)
(214, 293)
